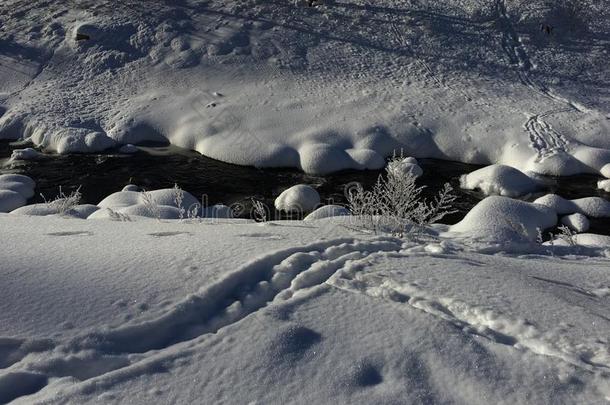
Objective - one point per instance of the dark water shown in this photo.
(99, 175)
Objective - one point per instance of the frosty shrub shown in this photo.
(63, 203)
(566, 235)
(151, 205)
(395, 204)
(259, 211)
(178, 199)
(118, 216)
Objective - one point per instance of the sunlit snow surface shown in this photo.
(317, 88)
(303, 312)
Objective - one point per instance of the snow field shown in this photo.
(355, 306)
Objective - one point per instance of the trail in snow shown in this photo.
(273, 279)
(544, 139)
(593, 356)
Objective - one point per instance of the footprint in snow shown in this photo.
(164, 234)
(71, 233)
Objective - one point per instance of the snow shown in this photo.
(604, 185)
(595, 207)
(326, 88)
(300, 198)
(503, 219)
(587, 239)
(360, 318)
(163, 197)
(138, 306)
(576, 222)
(26, 154)
(15, 190)
(327, 211)
(82, 211)
(9, 200)
(499, 180)
(405, 167)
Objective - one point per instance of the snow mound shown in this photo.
(504, 219)
(595, 207)
(604, 185)
(576, 222)
(10, 200)
(405, 167)
(80, 211)
(15, 190)
(327, 211)
(499, 180)
(300, 198)
(26, 154)
(584, 239)
(166, 197)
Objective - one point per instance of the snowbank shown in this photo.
(300, 198)
(499, 180)
(15, 190)
(273, 85)
(503, 219)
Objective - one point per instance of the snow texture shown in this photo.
(595, 207)
(576, 222)
(299, 198)
(503, 219)
(337, 86)
(327, 211)
(499, 180)
(361, 319)
(15, 190)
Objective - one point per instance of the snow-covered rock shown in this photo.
(26, 154)
(131, 187)
(604, 185)
(503, 219)
(167, 197)
(79, 211)
(594, 207)
(301, 198)
(10, 200)
(15, 190)
(499, 180)
(583, 239)
(405, 167)
(576, 222)
(327, 211)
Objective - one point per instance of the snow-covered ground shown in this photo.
(340, 85)
(141, 303)
(222, 311)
